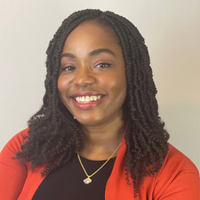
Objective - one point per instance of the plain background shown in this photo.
(171, 32)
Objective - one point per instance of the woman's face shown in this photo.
(92, 80)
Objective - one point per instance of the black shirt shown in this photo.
(66, 182)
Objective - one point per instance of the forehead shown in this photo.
(91, 33)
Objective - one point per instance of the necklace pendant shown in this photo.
(87, 180)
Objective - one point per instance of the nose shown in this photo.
(84, 77)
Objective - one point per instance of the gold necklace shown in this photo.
(88, 179)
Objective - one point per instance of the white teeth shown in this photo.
(87, 99)
(95, 98)
(91, 98)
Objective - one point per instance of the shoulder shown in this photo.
(178, 177)
(14, 144)
(177, 161)
(13, 172)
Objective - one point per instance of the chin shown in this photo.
(89, 122)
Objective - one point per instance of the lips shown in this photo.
(87, 100)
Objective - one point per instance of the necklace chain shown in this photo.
(88, 180)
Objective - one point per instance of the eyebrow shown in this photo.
(92, 53)
(98, 51)
(68, 55)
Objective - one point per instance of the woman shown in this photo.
(98, 134)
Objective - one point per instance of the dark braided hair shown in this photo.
(53, 131)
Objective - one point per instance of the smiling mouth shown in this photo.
(87, 99)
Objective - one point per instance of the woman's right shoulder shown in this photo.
(13, 172)
(14, 144)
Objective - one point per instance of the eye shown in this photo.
(103, 65)
(68, 68)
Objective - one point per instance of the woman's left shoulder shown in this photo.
(178, 178)
(177, 160)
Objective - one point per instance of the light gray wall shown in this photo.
(171, 31)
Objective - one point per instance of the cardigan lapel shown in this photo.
(117, 187)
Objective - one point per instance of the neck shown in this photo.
(101, 141)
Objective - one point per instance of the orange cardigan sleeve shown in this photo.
(178, 179)
(13, 173)
(184, 187)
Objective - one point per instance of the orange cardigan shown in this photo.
(178, 179)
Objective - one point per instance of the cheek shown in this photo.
(121, 86)
(116, 88)
(62, 85)
(63, 88)
(120, 92)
